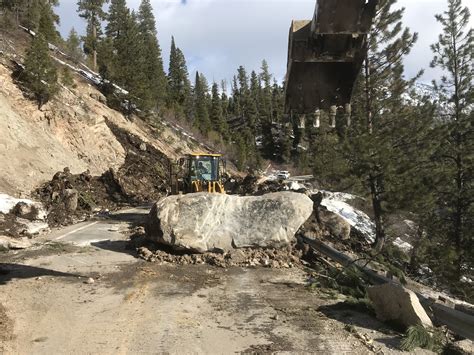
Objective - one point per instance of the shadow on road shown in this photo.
(350, 315)
(8, 272)
(136, 219)
(118, 246)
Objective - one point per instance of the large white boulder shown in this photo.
(396, 303)
(207, 222)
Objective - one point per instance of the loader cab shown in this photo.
(204, 167)
(201, 172)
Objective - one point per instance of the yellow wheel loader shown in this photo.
(199, 172)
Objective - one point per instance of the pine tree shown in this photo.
(454, 158)
(46, 25)
(379, 110)
(216, 115)
(129, 63)
(225, 105)
(40, 74)
(155, 74)
(265, 110)
(116, 18)
(201, 100)
(31, 14)
(178, 77)
(66, 77)
(92, 11)
(73, 46)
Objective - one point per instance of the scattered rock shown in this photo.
(26, 211)
(89, 281)
(464, 347)
(395, 303)
(142, 147)
(7, 243)
(274, 258)
(208, 222)
(99, 97)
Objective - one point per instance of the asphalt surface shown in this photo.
(112, 227)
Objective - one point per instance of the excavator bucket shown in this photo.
(325, 55)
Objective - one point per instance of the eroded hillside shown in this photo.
(70, 131)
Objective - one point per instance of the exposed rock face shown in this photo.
(396, 303)
(208, 222)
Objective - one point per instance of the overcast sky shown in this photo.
(219, 35)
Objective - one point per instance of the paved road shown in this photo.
(111, 227)
(132, 306)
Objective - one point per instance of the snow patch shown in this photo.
(7, 202)
(295, 186)
(404, 246)
(360, 221)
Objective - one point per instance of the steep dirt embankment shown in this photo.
(71, 131)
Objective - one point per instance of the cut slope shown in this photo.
(71, 131)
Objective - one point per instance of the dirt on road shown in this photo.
(98, 297)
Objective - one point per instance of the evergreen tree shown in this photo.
(66, 77)
(453, 221)
(31, 13)
(116, 19)
(92, 11)
(216, 116)
(73, 46)
(266, 111)
(225, 104)
(129, 63)
(156, 77)
(178, 77)
(40, 74)
(201, 89)
(378, 109)
(46, 25)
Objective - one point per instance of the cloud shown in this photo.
(219, 35)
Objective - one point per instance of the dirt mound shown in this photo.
(144, 175)
(141, 179)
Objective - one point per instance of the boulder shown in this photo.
(335, 224)
(71, 197)
(393, 302)
(463, 347)
(7, 243)
(26, 211)
(216, 222)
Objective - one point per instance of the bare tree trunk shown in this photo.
(378, 213)
(368, 98)
(414, 264)
(94, 51)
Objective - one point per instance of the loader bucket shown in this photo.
(325, 55)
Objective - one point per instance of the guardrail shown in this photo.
(458, 322)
